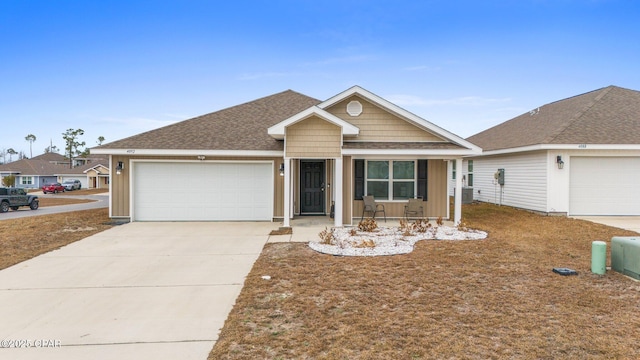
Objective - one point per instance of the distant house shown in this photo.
(32, 174)
(577, 156)
(92, 175)
(52, 167)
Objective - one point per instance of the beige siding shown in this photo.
(347, 189)
(120, 188)
(313, 138)
(376, 124)
(437, 188)
(120, 195)
(295, 168)
(437, 197)
(329, 189)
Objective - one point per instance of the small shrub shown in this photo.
(439, 221)
(353, 232)
(462, 225)
(367, 243)
(421, 225)
(327, 237)
(367, 225)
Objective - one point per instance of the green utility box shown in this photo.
(625, 255)
(598, 257)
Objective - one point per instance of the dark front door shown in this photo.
(311, 187)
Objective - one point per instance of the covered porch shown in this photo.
(332, 188)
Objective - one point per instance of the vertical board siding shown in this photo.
(525, 180)
(120, 188)
(437, 199)
(347, 189)
(376, 124)
(313, 138)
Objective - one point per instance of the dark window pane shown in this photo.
(379, 189)
(403, 190)
(377, 170)
(403, 170)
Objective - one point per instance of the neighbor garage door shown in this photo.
(202, 191)
(604, 186)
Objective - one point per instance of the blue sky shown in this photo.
(118, 68)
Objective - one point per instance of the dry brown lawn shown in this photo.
(491, 299)
(63, 199)
(22, 239)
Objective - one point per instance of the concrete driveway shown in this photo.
(136, 291)
(622, 222)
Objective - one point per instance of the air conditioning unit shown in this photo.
(625, 255)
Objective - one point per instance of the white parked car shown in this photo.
(72, 184)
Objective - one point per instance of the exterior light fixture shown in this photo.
(119, 168)
(200, 157)
(559, 162)
(282, 169)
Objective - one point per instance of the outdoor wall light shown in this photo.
(200, 157)
(559, 162)
(282, 169)
(119, 168)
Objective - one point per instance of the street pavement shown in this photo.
(100, 201)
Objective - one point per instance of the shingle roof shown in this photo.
(33, 167)
(610, 115)
(51, 156)
(81, 169)
(241, 127)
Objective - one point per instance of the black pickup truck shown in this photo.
(13, 198)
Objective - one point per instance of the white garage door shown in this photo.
(605, 186)
(202, 191)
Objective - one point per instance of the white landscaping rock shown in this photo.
(387, 240)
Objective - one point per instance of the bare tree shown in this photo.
(30, 138)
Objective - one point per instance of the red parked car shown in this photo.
(53, 188)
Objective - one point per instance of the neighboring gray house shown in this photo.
(30, 173)
(577, 156)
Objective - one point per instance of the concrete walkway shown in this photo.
(136, 291)
(622, 222)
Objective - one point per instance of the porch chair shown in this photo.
(414, 209)
(371, 206)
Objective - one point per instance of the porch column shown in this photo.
(337, 190)
(287, 193)
(457, 206)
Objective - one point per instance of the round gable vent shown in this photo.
(354, 108)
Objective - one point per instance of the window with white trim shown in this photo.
(27, 180)
(470, 173)
(390, 179)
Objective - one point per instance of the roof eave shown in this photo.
(445, 153)
(189, 152)
(538, 147)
